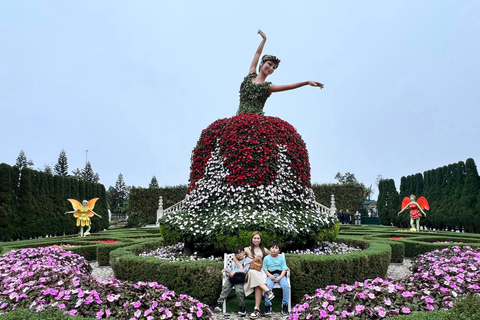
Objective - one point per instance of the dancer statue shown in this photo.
(415, 208)
(83, 212)
(250, 172)
(254, 90)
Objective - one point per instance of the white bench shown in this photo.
(228, 263)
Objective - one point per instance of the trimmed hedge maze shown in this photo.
(202, 279)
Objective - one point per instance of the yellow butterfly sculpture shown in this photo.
(83, 212)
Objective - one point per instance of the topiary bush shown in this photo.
(202, 279)
(249, 172)
(199, 279)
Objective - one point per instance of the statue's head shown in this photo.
(84, 202)
(412, 197)
(271, 59)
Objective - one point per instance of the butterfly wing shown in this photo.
(91, 204)
(76, 205)
(405, 202)
(423, 203)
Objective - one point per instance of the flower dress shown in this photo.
(249, 168)
(253, 95)
(414, 211)
(254, 277)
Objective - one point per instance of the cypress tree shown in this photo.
(459, 184)
(468, 200)
(418, 178)
(26, 205)
(436, 205)
(381, 203)
(8, 225)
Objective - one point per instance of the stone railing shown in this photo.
(180, 205)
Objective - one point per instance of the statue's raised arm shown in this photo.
(255, 89)
(258, 53)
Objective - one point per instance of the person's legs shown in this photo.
(285, 289)
(227, 287)
(270, 284)
(240, 294)
(258, 297)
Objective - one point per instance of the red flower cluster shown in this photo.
(249, 144)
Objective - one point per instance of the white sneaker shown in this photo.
(255, 314)
(270, 294)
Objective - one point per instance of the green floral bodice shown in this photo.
(253, 96)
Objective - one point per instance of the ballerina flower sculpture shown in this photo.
(83, 212)
(416, 210)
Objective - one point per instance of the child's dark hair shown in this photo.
(237, 250)
(276, 244)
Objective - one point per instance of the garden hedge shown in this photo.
(467, 308)
(202, 279)
(309, 272)
(199, 279)
(49, 314)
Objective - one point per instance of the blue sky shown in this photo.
(135, 82)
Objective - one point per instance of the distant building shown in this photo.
(369, 208)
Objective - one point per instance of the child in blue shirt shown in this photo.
(275, 268)
(236, 279)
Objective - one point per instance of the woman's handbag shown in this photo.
(256, 264)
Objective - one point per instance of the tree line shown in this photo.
(60, 168)
(453, 192)
(33, 203)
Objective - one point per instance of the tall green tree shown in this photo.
(61, 168)
(89, 174)
(346, 178)
(388, 203)
(468, 200)
(22, 161)
(118, 195)
(154, 183)
(86, 174)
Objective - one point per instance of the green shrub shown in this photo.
(328, 234)
(103, 251)
(202, 279)
(49, 314)
(309, 272)
(170, 236)
(199, 279)
(467, 308)
(135, 220)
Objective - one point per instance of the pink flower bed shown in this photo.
(439, 277)
(41, 278)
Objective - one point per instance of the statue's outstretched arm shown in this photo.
(258, 53)
(419, 208)
(70, 212)
(403, 209)
(95, 213)
(285, 87)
